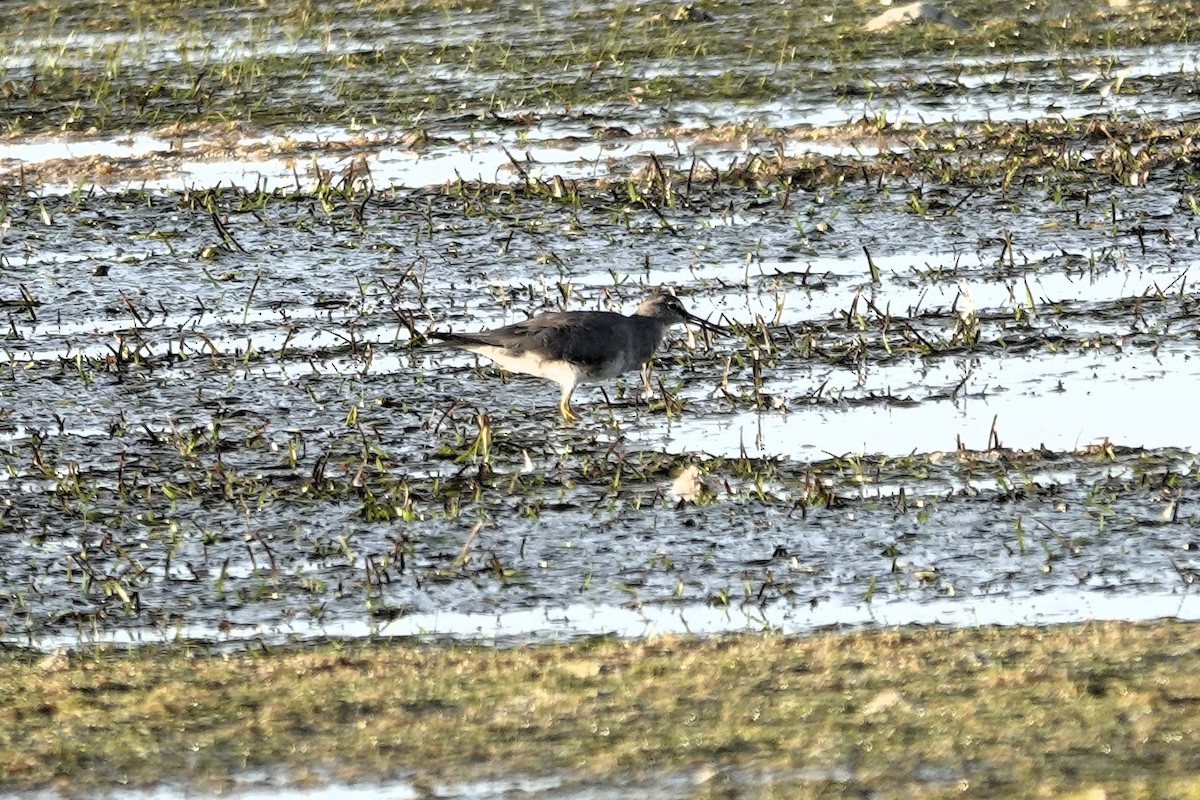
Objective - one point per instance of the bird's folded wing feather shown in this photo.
(582, 339)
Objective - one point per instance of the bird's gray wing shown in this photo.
(584, 337)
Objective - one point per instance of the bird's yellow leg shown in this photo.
(564, 403)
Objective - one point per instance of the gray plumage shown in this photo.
(574, 347)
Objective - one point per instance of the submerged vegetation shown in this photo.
(96, 66)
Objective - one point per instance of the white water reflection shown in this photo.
(565, 623)
(911, 283)
(788, 618)
(1063, 403)
(251, 786)
(663, 785)
(270, 162)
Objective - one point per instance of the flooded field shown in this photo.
(957, 270)
(957, 266)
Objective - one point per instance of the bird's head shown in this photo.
(669, 309)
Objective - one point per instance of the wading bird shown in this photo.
(574, 347)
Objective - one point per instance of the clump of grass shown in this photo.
(1006, 712)
(96, 67)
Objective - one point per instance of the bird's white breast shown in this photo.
(560, 372)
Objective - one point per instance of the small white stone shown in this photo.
(915, 12)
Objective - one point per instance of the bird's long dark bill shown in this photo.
(708, 326)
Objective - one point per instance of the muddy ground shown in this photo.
(957, 266)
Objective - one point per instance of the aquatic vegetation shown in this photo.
(956, 266)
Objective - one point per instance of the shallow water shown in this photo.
(665, 785)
